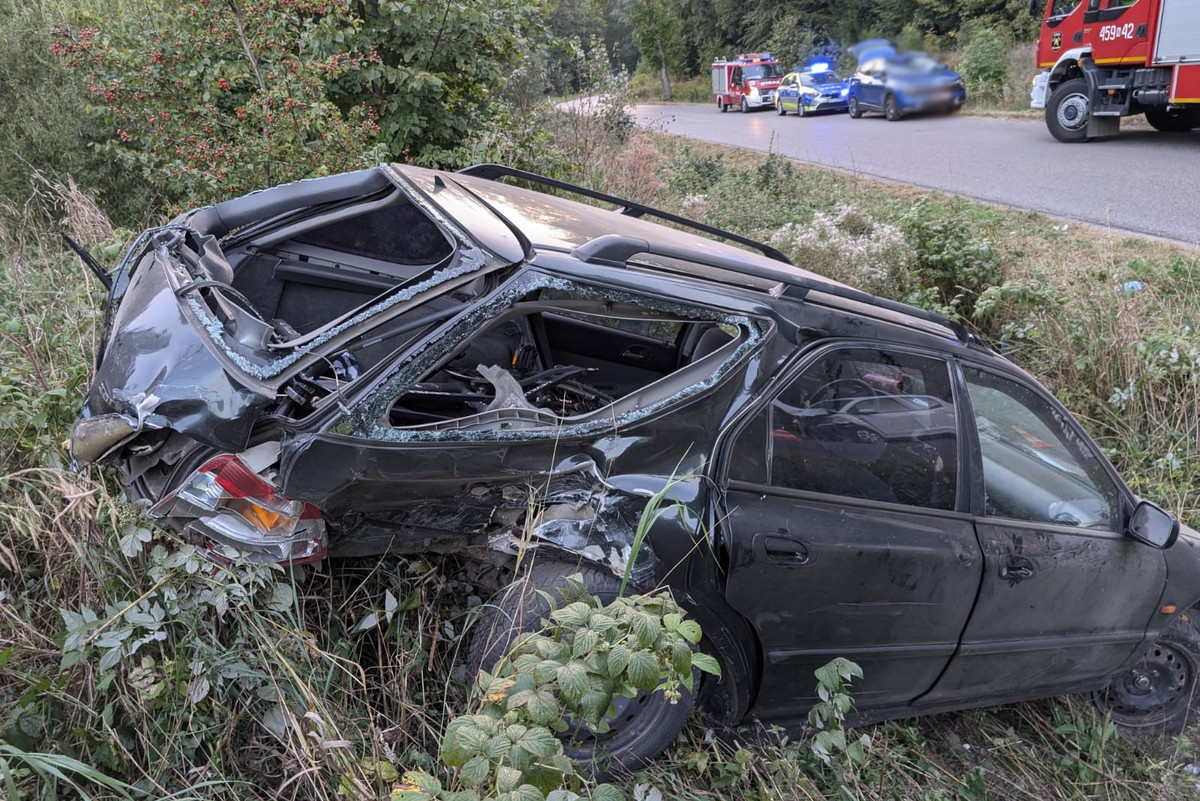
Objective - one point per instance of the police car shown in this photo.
(817, 88)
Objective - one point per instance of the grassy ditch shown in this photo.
(130, 669)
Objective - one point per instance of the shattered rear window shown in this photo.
(308, 286)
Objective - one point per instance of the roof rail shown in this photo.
(629, 208)
(616, 250)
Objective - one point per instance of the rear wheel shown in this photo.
(891, 109)
(1068, 111)
(721, 107)
(1171, 120)
(1155, 695)
(852, 108)
(643, 725)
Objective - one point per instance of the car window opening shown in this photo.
(291, 289)
(760, 71)
(867, 424)
(1035, 466)
(325, 272)
(557, 358)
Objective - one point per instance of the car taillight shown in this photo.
(230, 510)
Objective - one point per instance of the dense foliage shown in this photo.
(434, 67)
(227, 98)
(797, 30)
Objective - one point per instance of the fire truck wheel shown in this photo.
(745, 106)
(891, 109)
(721, 107)
(1068, 110)
(1176, 121)
(853, 109)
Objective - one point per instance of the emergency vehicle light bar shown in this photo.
(629, 208)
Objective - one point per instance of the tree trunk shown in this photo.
(662, 71)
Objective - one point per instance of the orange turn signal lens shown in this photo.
(266, 519)
(1169, 609)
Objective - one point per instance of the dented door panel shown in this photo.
(1059, 607)
(889, 588)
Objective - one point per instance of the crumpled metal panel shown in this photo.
(579, 494)
(158, 372)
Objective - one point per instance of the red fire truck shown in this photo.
(748, 81)
(1107, 59)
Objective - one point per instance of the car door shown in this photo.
(789, 92)
(843, 528)
(1066, 594)
(871, 82)
(804, 87)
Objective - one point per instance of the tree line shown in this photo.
(687, 35)
(154, 106)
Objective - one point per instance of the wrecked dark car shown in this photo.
(408, 361)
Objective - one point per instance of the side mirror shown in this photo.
(1154, 526)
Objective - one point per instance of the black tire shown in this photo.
(1177, 121)
(1155, 696)
(645, 724)
(1068, 111)
(800, 112)
(891, 109)
(779, 109)
(721, 107)
(745, 105)
(852, 108)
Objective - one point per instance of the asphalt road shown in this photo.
(1141, 181)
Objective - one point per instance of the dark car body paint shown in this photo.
(914, 595)
(160, 371)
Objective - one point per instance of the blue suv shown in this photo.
(897, 84)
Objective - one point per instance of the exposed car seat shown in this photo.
(710, 340)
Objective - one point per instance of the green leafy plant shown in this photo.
(562, 679)
(952, 257)
(230, 96)
(985, 62)
(828, 716)
(434, 68)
